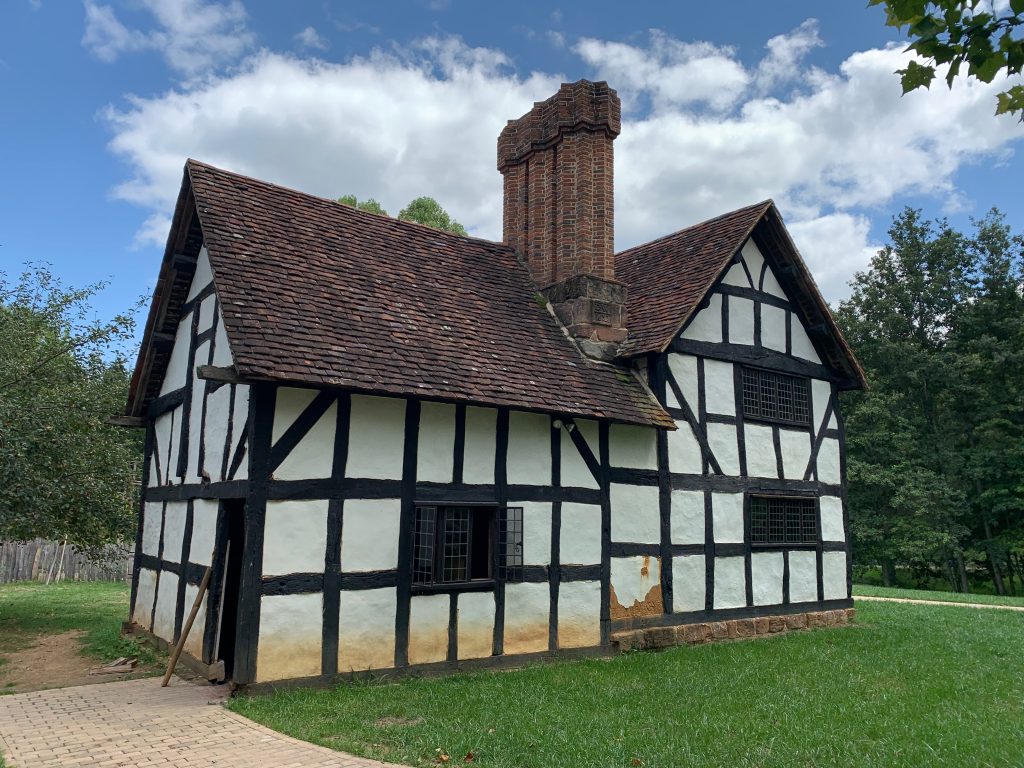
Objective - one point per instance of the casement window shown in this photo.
(775, 397)
(783, 520)
(465, 544)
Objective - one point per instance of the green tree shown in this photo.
(370, 205)
(64, 473)
(427, 211)
(958, 33)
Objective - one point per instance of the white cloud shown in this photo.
(193, 36)
(310, 38)
(394, 125)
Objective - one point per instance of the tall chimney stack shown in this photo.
(557, 163)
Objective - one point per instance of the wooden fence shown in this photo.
(54, 561)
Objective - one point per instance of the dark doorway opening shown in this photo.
(233, 548)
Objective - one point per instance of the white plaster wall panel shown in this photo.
(632, 447)
(579, 614)
(687, 517)
(741, 321)
(796, 452)
(154, 467)
(295, 537)
(144, 597)
(239, 418)
(221, 346)
(527, 615)
(832, 528)
(203, 275)
(574, 470)
(194, 641)
(727, 517)
(174, 529)
(529, 449)
(366, 629)
(428, 628)
(162, 435)
(204, 531)
(730, 582)
(218, 416)
(802, 346)
(821, 393)
(770, 284)
(635, 513)
(633, 578)
(152, 521)
(289, 404)
(828, 461)
(481, 442)
(376, 437)
(803, 576)
(291, 636)
(177, 366)
(719, 387)
(580, 534)
(166, 606)
(670, 398)
(766, 576)
(773, 327)
(706, 325)
(689, 583)
(536, 531)
(833, 571)
(313, 456)
(736, 276)
(435, 456)
(722, 441)
(195, 420)
(476, 625)
(174, 437)
(684, 371)
(684, 454)
(760, 447)
(369, 534)
(206, 317)
(754, 260)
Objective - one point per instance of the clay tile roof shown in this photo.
(666, 278)
(318, 293)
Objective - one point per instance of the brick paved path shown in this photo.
(139, 724)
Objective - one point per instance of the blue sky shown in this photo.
(724, 104)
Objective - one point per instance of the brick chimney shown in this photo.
(559, 208)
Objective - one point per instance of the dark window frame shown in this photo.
(788, 388)
(446, 539)
(792, 520)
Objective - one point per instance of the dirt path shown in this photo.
(938, 602)
(54, 661)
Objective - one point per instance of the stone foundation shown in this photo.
(651, 638)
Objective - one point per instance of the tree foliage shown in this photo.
(961, 33)
(427, 211)
(422, 210)
(936, 445)
(64, 473)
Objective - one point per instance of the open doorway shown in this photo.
(233, 548)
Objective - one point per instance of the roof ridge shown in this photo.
(765, 204)
(191, 162)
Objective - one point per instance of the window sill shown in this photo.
(784, 545)
(447, 587)
(802, 425)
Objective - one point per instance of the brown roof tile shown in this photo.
(318, 293)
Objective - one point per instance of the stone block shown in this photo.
(720, 630)
(816, 619)
(761, 625)
(744, 627)
(796, 621)
(776, 624)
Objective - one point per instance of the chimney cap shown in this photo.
(579, 106)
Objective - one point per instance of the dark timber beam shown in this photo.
(227, 374)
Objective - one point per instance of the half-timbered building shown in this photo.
(397, 447)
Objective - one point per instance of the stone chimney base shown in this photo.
(591, 308)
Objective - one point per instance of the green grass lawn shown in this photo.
(908, 685)
(923, 594)
(31, 609)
